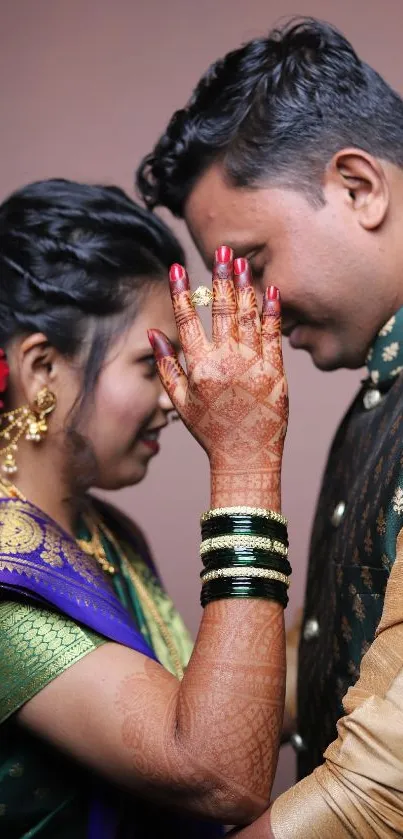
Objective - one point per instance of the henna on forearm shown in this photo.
(221, 729)
(237, 675)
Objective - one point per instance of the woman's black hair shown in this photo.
(71, 255)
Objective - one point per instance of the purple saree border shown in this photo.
(92, 603)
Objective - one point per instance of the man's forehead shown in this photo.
(211, 196)
(214, 216)
(245, 218)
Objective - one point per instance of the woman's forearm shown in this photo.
(230, 703)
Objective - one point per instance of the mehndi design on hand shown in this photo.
(234, 397)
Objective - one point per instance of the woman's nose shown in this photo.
(164, 401)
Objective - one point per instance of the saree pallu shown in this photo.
(56, 606)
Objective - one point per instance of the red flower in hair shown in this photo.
(4, 373)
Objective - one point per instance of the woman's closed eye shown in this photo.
(149, 366)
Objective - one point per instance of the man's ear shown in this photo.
(364, 183)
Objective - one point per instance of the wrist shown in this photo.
(250, 489)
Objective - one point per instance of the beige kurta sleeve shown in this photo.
(358, 792)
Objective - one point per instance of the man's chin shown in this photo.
(328, 363)
(327, 349)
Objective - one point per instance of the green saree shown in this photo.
(41, 793)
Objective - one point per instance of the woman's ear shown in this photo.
(364, 183)
(33, 365)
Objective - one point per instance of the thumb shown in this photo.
(171, 373)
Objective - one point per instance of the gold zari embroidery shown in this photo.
(21, 535)
(36, 645)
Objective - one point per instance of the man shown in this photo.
(290, 150)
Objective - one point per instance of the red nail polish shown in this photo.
(160, 345)
(271, 301)
(240, 265)
(242, 273)
(223, 254)
(176, 272)
(178, 278)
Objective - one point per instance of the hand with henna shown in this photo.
(234, 397)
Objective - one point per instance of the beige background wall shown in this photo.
(85, 88)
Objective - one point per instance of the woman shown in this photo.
(101, 736)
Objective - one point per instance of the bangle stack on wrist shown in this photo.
(244, 552)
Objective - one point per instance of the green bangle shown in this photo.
(245, 588)
(244, 525)
(245, 558)
(210, 597)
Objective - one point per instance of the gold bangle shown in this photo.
(264, 573)
(259, 512)
(232, 540)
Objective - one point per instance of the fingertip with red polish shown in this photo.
(272, 301)
(223, 263)
(178, 278)
(160, 345)
(242, 273)
(223, 254)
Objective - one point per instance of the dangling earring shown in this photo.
(16, 423)
(44, 404)
(21, 421)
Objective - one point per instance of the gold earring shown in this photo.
(31, 422)
(44, 404)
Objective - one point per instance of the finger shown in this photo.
(190, 329)
(225, 324)
(172, 374)
(249, 326)
(271, 329)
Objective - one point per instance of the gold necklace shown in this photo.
(11, 490)
(92, 547)
(95, 548)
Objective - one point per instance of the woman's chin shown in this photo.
(124, 479)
